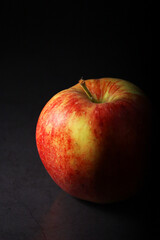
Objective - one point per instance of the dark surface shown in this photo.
(45, 49)
(33, 207)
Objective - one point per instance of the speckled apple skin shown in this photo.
(96, 151)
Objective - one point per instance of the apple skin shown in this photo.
(96, 151)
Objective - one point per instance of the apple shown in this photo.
(93, 139)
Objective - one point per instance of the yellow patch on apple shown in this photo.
(82, 136)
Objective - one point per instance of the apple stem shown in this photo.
(83, 85)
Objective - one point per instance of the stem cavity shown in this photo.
(84, 87)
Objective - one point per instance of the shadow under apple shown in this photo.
(70, 218)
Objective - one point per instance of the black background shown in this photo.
(44, 49)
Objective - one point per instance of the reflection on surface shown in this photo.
(73, 219)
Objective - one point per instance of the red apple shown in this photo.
(93, 139)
